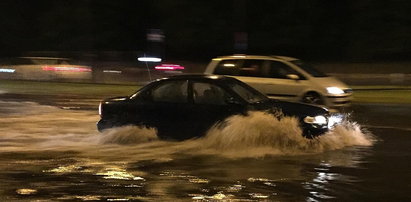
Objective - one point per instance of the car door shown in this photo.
(211, 104)
(165, 107)
(250, 72)
(278, 83)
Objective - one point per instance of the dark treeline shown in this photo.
(199, 29)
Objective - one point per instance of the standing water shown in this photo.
(48, 154)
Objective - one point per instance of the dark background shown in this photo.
(321, 30)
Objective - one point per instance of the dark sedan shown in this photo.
(186, 106)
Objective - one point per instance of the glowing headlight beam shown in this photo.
(335, 90)
(319, 120)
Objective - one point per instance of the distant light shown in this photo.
(7, 70)
(229, 65)
(112, 71)
(26, 191)
(149, 59)
(168, 67)
(66, 69)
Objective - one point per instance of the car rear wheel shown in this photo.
(313, 98)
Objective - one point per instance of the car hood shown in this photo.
(116, 99)
(329, 82)
(298, 109)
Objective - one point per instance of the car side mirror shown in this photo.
(293, 76)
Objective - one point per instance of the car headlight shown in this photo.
(100, 109)
(335, 90)
(318, 120)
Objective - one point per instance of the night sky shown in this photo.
(201, 29)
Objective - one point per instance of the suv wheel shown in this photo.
(313, 98)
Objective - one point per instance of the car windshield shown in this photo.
(246, 92)
(309, 68)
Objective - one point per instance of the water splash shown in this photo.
(259, 134)
(30, 126)
(347, 133)
(128, 135)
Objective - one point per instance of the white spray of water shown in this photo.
(29, 126)
(260, 134)
(345, 134)
(128, 135)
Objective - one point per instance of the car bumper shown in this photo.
(339, 101)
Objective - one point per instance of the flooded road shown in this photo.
(52, 153)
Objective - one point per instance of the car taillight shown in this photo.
(168, 67)
(66, 68)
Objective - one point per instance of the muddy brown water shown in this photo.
(54, 153)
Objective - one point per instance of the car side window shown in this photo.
(171, 91)
(251, 68)
(44, 61)
(63, 62)
(206, 93)
(21, 61)
(228, 67)
(279, 70)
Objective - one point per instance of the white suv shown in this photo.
(284, 78)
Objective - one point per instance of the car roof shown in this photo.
(44, 58)
(197, 77)
(263, 57)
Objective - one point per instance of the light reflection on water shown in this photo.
(256, 158)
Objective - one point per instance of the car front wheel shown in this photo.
(313, 98)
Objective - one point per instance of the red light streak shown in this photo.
(168, 67)
(66, 68)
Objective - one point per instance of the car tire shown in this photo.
(104, 124)
(313, 98)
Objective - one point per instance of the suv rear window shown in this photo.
(248, 67)
(309, 69)
(228, 67)
(255, 68)
(252, 68)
